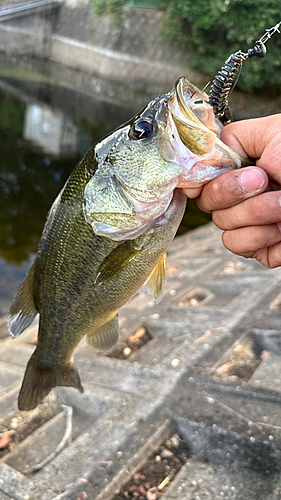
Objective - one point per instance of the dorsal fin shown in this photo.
(23, 309)
(106, 336)
(157, 279)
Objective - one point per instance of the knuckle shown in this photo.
(264, 258)
(274, 256)
(216, 193)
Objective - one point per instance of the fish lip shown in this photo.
(187, 93)
(181, 100)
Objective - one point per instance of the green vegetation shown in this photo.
(218, 28)
(214, 30)
(113, 7)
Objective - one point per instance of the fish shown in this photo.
(108, 231)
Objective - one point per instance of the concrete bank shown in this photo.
(71, 34)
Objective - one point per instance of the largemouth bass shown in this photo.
(108, 231)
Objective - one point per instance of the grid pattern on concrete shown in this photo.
(209, 370)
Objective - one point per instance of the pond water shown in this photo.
(47, 122)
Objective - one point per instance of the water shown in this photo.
(49, 117)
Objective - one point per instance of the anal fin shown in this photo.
(157, 279)
(23, 309)
(38, 382)
(106, 336)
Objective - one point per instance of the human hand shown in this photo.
(245, 203)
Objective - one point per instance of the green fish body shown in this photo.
(108, 231)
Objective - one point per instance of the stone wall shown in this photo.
(133, 52)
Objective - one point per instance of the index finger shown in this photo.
(231, 188)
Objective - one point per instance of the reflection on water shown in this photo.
(50, 131)
(45, 128)
(11, 277)
(29, 182)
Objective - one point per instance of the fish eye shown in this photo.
(141, 129)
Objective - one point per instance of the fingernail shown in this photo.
(251, 180)
(279, 226)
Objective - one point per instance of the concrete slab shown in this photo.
(3, 496)
(215, 307)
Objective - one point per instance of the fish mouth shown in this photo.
(190, 109)
(193, 134)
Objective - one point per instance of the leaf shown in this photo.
(151, 495)
(133, 338)
(5, 439)
(138, 476)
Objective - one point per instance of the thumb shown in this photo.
(251, 137)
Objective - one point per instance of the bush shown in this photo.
(216, 29)
(113, 7)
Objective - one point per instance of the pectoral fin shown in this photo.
(23, 309)
(116, 261)
(106, 336)
(157, 279)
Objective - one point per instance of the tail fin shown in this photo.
(38, 382)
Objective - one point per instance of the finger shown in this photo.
(251, 239)
(192, 192)
(231, 188)
(251, 137)
(268, 256)
(259, 210)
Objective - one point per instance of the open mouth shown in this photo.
(193, 117)
(194, 137)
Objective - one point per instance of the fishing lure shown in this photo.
(223, 85)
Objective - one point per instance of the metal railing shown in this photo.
(148, 4)
(11, 11)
